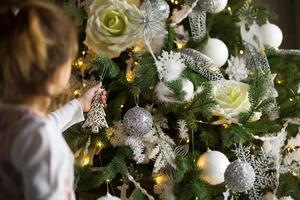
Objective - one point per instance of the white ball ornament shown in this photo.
(108, 197)
(217, 51)
(213, 165)
(271, 35)
(269, 196)
(188, 88)
(213, 6)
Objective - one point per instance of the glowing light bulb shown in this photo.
(130, 76)
(100, 144)
(77, 93)
(225, 125)
(280, 81)
(86, 161)
(160, 179)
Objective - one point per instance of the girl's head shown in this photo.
(37, 44)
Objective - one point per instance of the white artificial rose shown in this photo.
(111, 26)
(232, 98)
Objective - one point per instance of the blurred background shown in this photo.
(288, 20)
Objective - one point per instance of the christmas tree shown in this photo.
(203, 104)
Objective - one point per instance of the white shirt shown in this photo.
(41, 155)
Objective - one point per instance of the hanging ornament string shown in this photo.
(193, 145)
(103, 74)
(131, 179)
(137, 99)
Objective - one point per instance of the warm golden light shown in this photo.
(241, 52)
(100, 144)
(108, 132)
(151, 87)
(77, 93)
(225, 125)
(138, 48)
(229, 8)
(160, 179)
(130, 76)
(86, 161)
(280, 81)
(180, 45)
(79, 62)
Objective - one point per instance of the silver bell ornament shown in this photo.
(138, 121)
(239, 176)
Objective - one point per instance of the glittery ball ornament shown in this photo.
(162, 6)
(213, 6)
(213, 165)
(138, 121)
(108, 197)
(239, 176)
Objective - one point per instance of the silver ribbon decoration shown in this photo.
(256, 58)
(292, 52)
(201, 64)
(197, 19)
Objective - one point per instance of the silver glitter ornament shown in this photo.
(239, 176)
(213, 6)
(138, 121)
(162, 6)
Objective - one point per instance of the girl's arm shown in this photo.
(66, 116)
(72, 112)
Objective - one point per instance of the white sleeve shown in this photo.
(68, 115)
(40, 163)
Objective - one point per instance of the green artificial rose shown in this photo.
(115, 22)
(109, 28)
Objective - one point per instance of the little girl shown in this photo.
(37, 44)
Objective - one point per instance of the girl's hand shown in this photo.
(86, 99)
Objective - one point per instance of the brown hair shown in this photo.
(36, 38)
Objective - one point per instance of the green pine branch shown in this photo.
(112, 70)
(236, 134)
(257, 97)
(187, 184)
(170, 38)
(76, 12)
